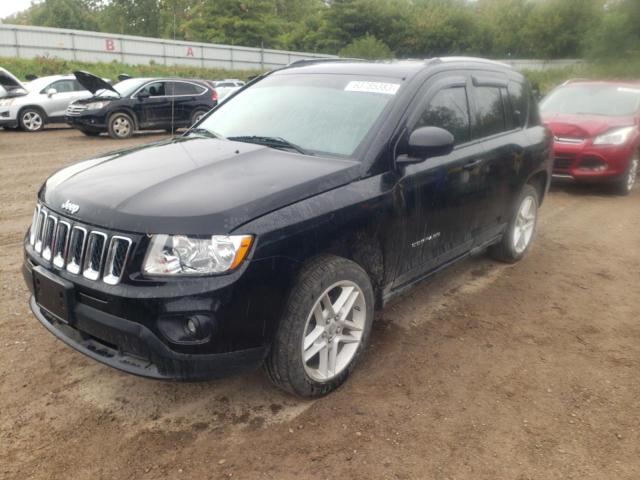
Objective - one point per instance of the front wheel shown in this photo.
(324, 329)
(120, 125)
(32, 120)
(625, 185)
(518, 237)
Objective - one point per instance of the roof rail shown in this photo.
(468, 59)
(574, 80)
(312, 61)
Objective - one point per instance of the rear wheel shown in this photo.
(120, 125)
(32, 119)
(625, 185)
(197, 115)
(518, 237)
(324, 329)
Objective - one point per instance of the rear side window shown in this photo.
(63, 86)
(448, 109)
(490, 118)
(519, 103)
(183, 88)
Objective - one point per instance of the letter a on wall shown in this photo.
(190, 52)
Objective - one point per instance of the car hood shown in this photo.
(11, 86)
(191, 185)
(92, 83)
(584, 126)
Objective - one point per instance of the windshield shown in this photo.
(606, 100)
(128, 86)
(318, 113)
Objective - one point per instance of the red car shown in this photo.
(596, 130)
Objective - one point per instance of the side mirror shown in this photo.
(427, 142)
(51, 92)
(142, 95)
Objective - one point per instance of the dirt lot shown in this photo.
(490, 372)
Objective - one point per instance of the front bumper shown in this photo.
(585, 162)
(7, 118)
(133, 348)
(87, 121)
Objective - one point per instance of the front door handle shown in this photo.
(471, 164)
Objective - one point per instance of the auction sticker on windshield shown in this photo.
(372, 87)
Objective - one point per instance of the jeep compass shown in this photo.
(270, 231)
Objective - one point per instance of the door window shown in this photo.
(184, 88)
(62, 86)
(155, 89)
(448, 109)
(519, 100)
(490, 118)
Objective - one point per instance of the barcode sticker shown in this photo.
(372, 87)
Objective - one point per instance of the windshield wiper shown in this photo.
(205, 133)
(273, 142)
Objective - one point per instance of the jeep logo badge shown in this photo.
(72, 208)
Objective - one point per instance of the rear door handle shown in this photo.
(471, 164)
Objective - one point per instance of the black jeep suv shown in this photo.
(139, 104)
(270, 231)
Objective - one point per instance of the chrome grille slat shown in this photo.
(61, 244)
(116, 259)
(48, 236)
(76, 249)
(94, 254)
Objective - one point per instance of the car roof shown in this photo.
(618, 83)
(390, 68)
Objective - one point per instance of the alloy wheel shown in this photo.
(32, 121)
(525, 224)
(333, 331)
(121, 126)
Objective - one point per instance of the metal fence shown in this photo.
(29, 42)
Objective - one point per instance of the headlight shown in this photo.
(96, 105)
(615, 137)
(182, 255)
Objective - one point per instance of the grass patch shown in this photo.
(43, 66)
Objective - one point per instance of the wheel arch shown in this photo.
(540, 181)
(45, 117)
(126, 110)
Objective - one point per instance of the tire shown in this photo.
(341, 282)
(121, 125)
(625, 185)
(518, 238)
(90, 133)
(197, 115)
(32, 119)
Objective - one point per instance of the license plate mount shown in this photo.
(53, 294)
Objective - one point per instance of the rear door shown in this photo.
(504, 141)
(187, 96)
(440, 194)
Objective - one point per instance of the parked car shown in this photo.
(139, 104)
(45, 101)
(270, 231)
(595, 125)
(226, 87)
(10, 88)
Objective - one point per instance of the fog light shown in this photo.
(187, 328)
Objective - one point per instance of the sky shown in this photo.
(9, 7)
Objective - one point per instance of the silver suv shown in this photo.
(44, 102)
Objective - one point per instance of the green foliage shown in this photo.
(43, 66)
(367, 47)
(409, 28)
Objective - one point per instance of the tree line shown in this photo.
(546, 29)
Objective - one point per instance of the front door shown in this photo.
(153, 106)
(440, 194)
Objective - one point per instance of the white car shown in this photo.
(44, 101)
(225, 87)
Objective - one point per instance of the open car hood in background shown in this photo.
(93, 83)
(11, 86)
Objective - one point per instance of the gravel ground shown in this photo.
(486, 372)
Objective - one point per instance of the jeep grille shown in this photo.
(94, 254)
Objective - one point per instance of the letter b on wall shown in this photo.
(109, 44)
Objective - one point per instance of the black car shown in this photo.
(139, 104)
(271, 230)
